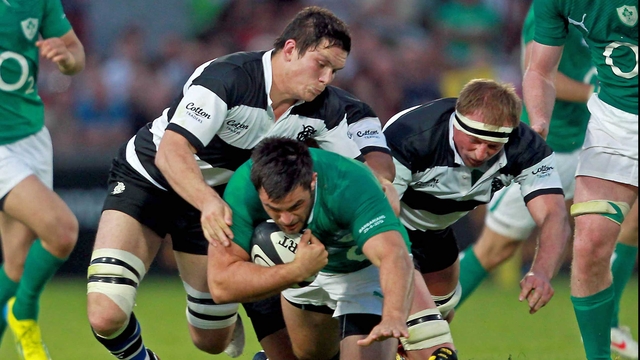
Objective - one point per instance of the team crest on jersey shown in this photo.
(118, 189)
(29, 28)
(628, 14)
(307, 132)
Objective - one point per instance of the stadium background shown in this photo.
(404, 52)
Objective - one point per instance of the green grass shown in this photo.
(492, 324)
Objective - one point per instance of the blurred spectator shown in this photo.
(102, 119)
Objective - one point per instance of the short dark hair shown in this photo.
(280, 165)
(312, 25)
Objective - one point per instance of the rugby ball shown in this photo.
(270, 246)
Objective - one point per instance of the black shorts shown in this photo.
(433, 250)
(164, 212)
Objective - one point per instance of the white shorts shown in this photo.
(507, 213)
(353, 293)
(31, 155)
(610, 149)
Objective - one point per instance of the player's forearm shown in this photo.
(179, 167)
(554, 233)
(539, 95)
(396, 280)
(247, 282)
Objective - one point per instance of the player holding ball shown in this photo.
(351, 239)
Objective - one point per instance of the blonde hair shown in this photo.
(498, 102)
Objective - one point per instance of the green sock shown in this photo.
(624, 260)
(7, 291)
(471, 274)
(39, 267)
(594, 320)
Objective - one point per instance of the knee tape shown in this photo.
(204, 313)
(427, 328)
(116, 273)
(612, 210)
(447, 302)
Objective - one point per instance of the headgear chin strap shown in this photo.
(493, 133)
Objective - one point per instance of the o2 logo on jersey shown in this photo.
(23, 70)
(609, 60)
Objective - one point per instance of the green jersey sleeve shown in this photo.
(54, 21)
(551, 26)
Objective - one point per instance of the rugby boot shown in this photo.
(26, 334)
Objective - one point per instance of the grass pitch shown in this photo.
(491, 325)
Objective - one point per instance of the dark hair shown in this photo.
(280, 165)
(312, 25)
(499, 103)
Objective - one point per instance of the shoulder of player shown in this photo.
(526, 147)
(333, 165)
(332, 105)
(237, 68)
(421, 133)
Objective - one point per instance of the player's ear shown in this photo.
(289, 50)
(314, 179)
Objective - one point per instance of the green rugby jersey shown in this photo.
(349, 208)
(21, 23)
(569, 119)
(610, 28)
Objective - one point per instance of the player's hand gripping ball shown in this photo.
(271, 246)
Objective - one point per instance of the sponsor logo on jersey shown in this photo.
(628, 14)
(307, 132)
(196, 112)
(431, 183)
(29, 28)
(236, 127)
(542, 171)
(367, 134)
(118, 189)
(579, 24)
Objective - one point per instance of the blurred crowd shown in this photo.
(404, 52)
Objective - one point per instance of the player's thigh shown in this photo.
(314, 335)
(120, 231)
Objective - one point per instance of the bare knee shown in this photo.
(211, 341)
(62, 235)
(105, 317)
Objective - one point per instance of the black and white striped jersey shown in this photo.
(224, 111)
(436, 188)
